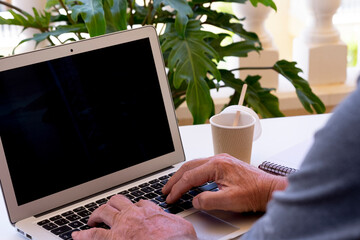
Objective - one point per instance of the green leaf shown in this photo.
(307, 98)
(237, 49)
(39, 37)
(210, 1)
(268, 3)
(115, 14)
(228, 22)
(39, 21)
(92, 12)
(183, 12)
(258, 98)
(53, 3)
(191, 59)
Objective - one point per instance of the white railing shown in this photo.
(319, 50)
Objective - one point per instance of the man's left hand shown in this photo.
(142, 220)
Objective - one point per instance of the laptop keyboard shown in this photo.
(75, 220)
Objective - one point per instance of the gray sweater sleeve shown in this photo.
(322, 200)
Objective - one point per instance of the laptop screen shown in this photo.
(67, 121)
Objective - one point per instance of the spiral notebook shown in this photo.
(287, 161)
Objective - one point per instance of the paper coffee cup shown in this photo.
(235, 140)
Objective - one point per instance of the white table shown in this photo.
(278, 134)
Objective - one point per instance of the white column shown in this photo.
(27, 6)
(255, 22)
(319, 50)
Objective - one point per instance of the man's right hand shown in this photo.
(242, 187)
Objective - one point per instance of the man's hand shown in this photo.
(242, 187)
(143, 220)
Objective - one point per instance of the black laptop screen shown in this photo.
(70, 120)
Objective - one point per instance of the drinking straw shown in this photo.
(241, 101)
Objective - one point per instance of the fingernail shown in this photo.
(168, 198)
(74, 234)
(196, 203)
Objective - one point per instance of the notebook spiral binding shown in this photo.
(276, 169)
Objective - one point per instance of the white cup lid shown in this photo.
(235, 108)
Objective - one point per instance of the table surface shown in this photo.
(278, 134)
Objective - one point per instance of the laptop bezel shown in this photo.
(16, 212)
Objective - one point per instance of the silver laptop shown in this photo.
(84, 121)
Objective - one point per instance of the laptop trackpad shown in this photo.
(209, 227)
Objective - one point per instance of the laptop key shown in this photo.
(174, 209)
(84, 220)
(43, 222)
(194, 192)
(84, 213)
(50, 226)
(137, 193)
(129, 196)
(144, 185)
(157, 185)
(161, 198)
(133, 189)
(76, 224)
(78, 209)
(61, 230)
(208, 187)
(90, 205)
(85, 227)
(61, 222)
(150, 195)
(186, 197)
(73, 217)
(154, 181)
(110, 196)
(101, 201)
(147, 189)
(164, 177)
(57, 217)
(186, 205)
(138, 199)
(67, 235)
(124, 192)
(92, 209)
(68, 213)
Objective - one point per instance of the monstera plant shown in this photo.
(192, 54)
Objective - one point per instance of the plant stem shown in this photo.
(13, 7)
(148, 15)
(67, 12)
(251, 68)
(69, 17)
(131, 18)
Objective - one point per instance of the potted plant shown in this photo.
(191, 53)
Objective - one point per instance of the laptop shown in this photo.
(84, 121)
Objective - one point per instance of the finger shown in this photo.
(212, 201)
(192, 178)
(184, 168)
(104, 214)
(147, 204)
(120, 202)
(91, 234)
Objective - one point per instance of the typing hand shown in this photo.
(242, 187)
(143, 220)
